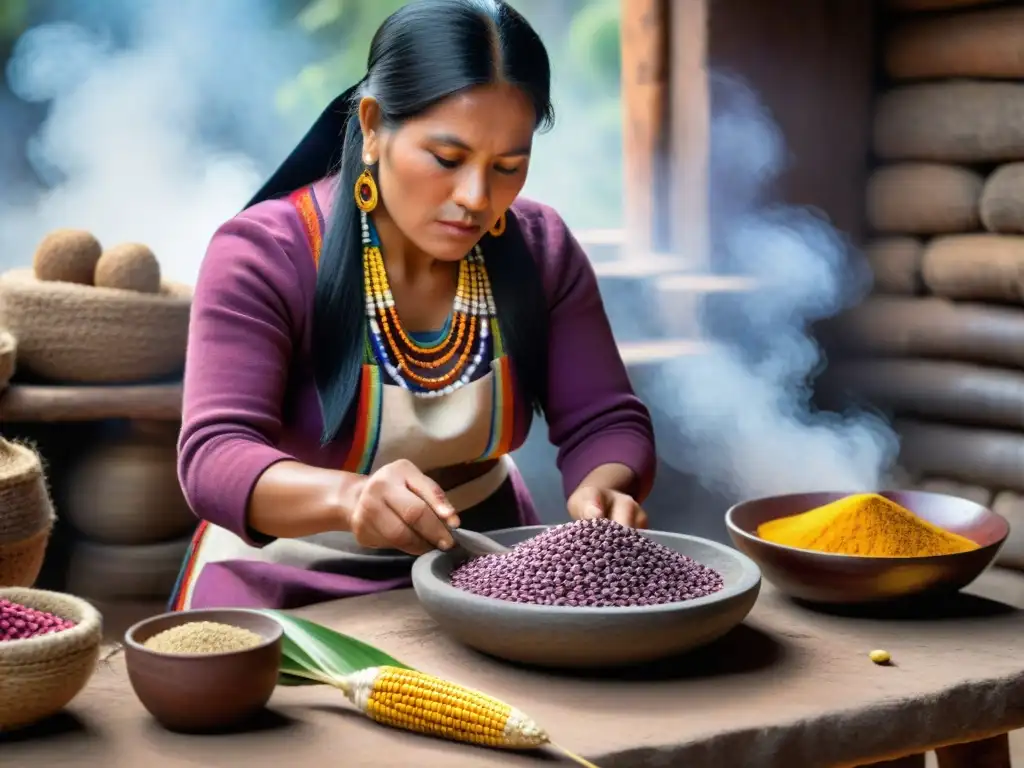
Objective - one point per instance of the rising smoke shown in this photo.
(745, 407)
(127, 154)
(126, 149)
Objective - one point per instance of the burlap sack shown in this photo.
(1002, 200)
(140, 473)
(896, 264)
(79, 333)
(975, 493)
(987, 457)
(40, 676)
(937, 389)
(8, 357)
(26, 515)
(983, 43)
(981, 267)
(951, 122)
(1011, 506)
(931, 327)
(923, 199)
(933, 5)
(115, 572)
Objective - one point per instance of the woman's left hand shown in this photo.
(589, 502)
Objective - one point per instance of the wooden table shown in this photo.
(791, 688)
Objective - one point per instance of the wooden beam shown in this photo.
(811, 65)
(30, 403)
(638, 353)
(645, 97)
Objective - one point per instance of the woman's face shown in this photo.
(446, 176)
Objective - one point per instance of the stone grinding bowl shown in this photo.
(41, 675)
(581, 637)
(197, 693)
(834, 579)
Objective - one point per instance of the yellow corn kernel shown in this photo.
(407, 699)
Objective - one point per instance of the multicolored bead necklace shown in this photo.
(414, 366)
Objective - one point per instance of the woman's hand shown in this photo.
(589, 502)
(399, 507)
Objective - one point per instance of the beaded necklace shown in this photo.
(413, 366)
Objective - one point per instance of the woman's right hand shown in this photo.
(399, 507)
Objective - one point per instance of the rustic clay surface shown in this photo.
(1000, 204)
(959, 121)
(789, 688)
(923, 198)
(896, 264)
(979, 267)
(983, 43)
(944, 390)
(933, 327)
(980, 456)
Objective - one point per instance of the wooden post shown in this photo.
(645, 96)
(686, 192)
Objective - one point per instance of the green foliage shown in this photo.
(320, 14)
(577, 167)
(594, 48)
(312, 654)
(14, 16)
(342, 29)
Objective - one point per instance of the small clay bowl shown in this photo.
(210, 692)
(826, 578)
(584, 637)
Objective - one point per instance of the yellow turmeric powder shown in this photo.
(864, 524)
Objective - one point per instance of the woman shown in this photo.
(371, 336)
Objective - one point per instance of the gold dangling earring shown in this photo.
(499, 227)
(366, 192)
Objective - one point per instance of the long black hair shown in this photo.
(423, 53)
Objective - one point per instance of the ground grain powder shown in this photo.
(198, 637)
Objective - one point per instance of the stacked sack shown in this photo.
(941, 342)
(85, 314)
(26, 515)
(134, 523)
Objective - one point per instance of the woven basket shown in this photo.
(26, 515)
(8, 357)
(140, 474)
(112, 572)
(84, 334)
(40, 676)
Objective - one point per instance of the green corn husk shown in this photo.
(312, 654)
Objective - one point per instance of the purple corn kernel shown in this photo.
(588, 563)
(19, 622)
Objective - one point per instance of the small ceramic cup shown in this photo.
(195, 693)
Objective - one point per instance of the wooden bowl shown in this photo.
(198, 693)
(822, 577)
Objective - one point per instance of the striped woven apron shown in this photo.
(472, 424)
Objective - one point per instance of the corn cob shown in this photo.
(412, 700)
